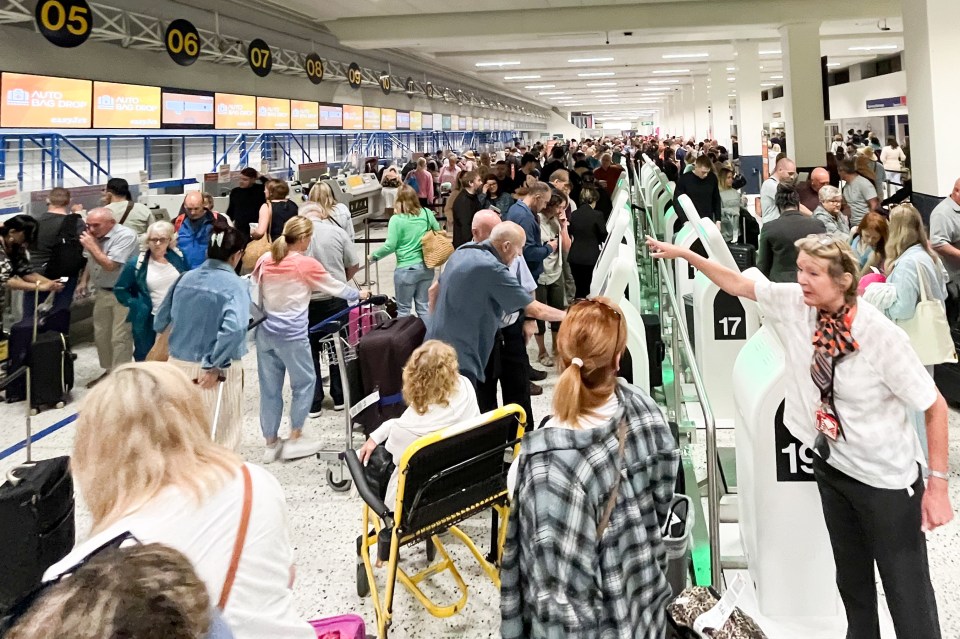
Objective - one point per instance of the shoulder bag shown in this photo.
(240, 540)
(437, 247)
(257, 248)
(928, 329)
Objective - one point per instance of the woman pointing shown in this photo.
(852, 381)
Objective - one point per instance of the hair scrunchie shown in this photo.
(576, 361)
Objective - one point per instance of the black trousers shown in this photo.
(318, 311)
(509, 365)
(582, 278)
(952, 303)
(870, 525)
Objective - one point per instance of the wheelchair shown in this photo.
(444, 478)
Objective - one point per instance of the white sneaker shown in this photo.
(271, 453)
(298, 448)
(338, 407)
(316, 413)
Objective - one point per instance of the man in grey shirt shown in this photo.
(945, 239)
(109, 246)
(785, 172)
(859, 193)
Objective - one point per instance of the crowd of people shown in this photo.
(528, 225)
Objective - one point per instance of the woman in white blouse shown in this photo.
(852, 382)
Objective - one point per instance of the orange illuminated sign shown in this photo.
(41, 101)
(388, 119)
(235, 111)
(125, 106)
(371, 118)
(304, 115)
(273, 114)
(352, 117)
(416, 121)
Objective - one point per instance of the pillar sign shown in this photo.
(65, 23)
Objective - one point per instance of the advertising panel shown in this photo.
(125, 106)
(441, 122)
(426, 121)
(304, 115)
(332, 116)
(461, 123)
(187, 110)
(273, 114)
(352, 117)
(388, 119)
(403, 120)
(41, 101)
(235, 111)
(371, 118)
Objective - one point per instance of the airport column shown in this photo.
(931, 51)
(719, 105)
(749, 114)
(701, 107)
(686, 111)
(803, 93)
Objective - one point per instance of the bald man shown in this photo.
(109, 246)
(809, 190)
(785, 172)
(194, 226)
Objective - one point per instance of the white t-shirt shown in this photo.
(261, 603)
(160, 277)
(875, 389)
(768, 200)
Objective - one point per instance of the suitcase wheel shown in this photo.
(59, 405)
(338, 486)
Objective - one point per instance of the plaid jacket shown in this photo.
(557, 579)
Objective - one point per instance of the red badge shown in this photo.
(828, 424)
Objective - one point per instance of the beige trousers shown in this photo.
(111, 331)
(229, 430)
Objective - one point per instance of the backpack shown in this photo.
(66, 255)
(413, 183)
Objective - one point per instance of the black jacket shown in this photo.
(704, 193)
(777, 256)
(464, 208)
(244, 207)
(588, 231)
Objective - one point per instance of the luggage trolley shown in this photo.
(340, 334)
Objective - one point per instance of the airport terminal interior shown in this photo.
(707, 193)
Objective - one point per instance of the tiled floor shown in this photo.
(325, 523)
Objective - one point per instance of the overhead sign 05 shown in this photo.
(65, 23)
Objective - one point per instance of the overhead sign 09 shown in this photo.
(313, 65)
(65, 23)
(354, 76)
(182, 41)
(259, 57)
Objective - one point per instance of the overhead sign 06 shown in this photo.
(354, 76)
(259, 57)
(313, 65)
(65, 23)
(182, 41)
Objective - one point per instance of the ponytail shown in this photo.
(295, 228)
(279, 249)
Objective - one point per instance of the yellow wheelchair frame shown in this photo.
(480, 444)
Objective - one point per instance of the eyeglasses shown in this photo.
(158, 240)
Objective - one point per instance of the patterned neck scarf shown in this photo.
(832, 341)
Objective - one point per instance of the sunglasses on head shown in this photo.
(615, 313)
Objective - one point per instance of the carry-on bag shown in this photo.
(340, 627)
(41, 344)
(743, 254)
(383, 352)
(656, 349)
(694, 615)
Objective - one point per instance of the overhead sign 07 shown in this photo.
(259, 57)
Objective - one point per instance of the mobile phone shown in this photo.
(64, 280)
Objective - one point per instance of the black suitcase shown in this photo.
(947, 376)
(383, 352)
(744, 255)
(37, 526)
(48, 357)
(656, 349)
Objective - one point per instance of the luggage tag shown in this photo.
(827, 423)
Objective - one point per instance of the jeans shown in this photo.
(61, 300)
(411, 284)
(275, 357)
(319, 311)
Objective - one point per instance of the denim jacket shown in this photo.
(209, 311)
(905, 280)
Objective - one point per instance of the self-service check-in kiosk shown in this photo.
(622, 278)
(689, 238)
(620, 219)
(361, 193)
(781, 521)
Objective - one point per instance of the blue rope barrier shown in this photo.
(38, 436)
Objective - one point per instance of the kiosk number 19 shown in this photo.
(799, 458)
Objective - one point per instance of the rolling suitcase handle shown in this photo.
(216, 412)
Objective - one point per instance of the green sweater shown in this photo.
(403, 237)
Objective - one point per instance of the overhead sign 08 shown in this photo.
(313, 65)
(65, 23)
(182, 41)
(354, 76)
(259, 57)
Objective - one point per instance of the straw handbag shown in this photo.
(257, 248)
(437, 247)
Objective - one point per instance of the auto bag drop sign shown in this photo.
(36, 101)
(125, 106)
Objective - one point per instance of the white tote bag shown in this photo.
(928, 329)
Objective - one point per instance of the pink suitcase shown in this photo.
(340, 627)
(359, 323)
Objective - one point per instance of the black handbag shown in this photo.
(379, 469)
(37, 527)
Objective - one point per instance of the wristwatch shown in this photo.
(939, 475)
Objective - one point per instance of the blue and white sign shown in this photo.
(887, 103)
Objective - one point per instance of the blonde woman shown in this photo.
(322, 194)
(437, 396)
(166, 482)
(908, 251)
(277, 210)
(145, 280)
(564, 477)
(286, 278)
(411, 278)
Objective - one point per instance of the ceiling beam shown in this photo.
(410, 31)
